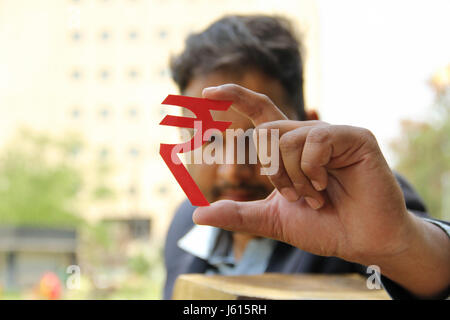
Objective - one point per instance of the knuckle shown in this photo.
(322, 123)
(277, 124)
(239, 214)
(235, 91)
(289, 142)
(300, 186)
(365, 135)
(261, 101)
(232, 87)
(319, 135)
(368, 134)
(264, 98)
(276, 225)
(308, 167)
(263, 126)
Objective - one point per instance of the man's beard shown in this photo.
(240, 192)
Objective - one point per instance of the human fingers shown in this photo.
(255, 106)
(289, 175)
(253, 217)
(291, 148)
(334, 147)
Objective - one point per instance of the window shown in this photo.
(105, 74)
(139, 228)
(162, 190)
(132, 190)
(132, 112)
(133, 73)
(104, 153)
(133, 152)
(104, 113)
(136, 228)
(76, 36)
(105, 35)
(75, 150)
(132, 35)
(75, 74)
(75, 113)
(163, 34)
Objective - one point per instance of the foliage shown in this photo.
(38, 186)
(139, 264)
(41, 179)
(423, 153)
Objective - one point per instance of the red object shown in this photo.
(50, 286)
(201, 108)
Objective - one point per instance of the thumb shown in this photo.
(253, 217)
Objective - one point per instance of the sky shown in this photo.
(376, 60)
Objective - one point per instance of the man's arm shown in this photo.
(424, 267)
(414, 205)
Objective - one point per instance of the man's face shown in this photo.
(240, 182)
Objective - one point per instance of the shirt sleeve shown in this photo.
(441, 224)
(396, 291)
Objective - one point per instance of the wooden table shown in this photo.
(275, 286)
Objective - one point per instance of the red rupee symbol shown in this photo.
(201, 108)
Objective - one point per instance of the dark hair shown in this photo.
(241, 42)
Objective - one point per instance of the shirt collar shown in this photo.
(215, 246)
(200, 241)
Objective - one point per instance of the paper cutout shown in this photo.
(201, 108)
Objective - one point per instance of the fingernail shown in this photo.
(209, 89)
(289, 194)
(313, 203)
(316, 185)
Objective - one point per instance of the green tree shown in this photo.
(38, 185)
(423, 153)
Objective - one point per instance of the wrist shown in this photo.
(422, 264)
(405, 250)
(395, 245)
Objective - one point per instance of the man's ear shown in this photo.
(311, 115)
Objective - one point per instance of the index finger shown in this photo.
(259, 109)
(255, 106)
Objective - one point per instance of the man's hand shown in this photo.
(335, 194)
(337, 186)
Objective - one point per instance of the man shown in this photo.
(261, 54)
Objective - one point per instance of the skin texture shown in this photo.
(240, 182)
(335, 196)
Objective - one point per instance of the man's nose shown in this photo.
(235, 173)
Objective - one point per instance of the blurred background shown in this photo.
(85, 200)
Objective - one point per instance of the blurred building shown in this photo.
(27, 253)
(99, 68)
